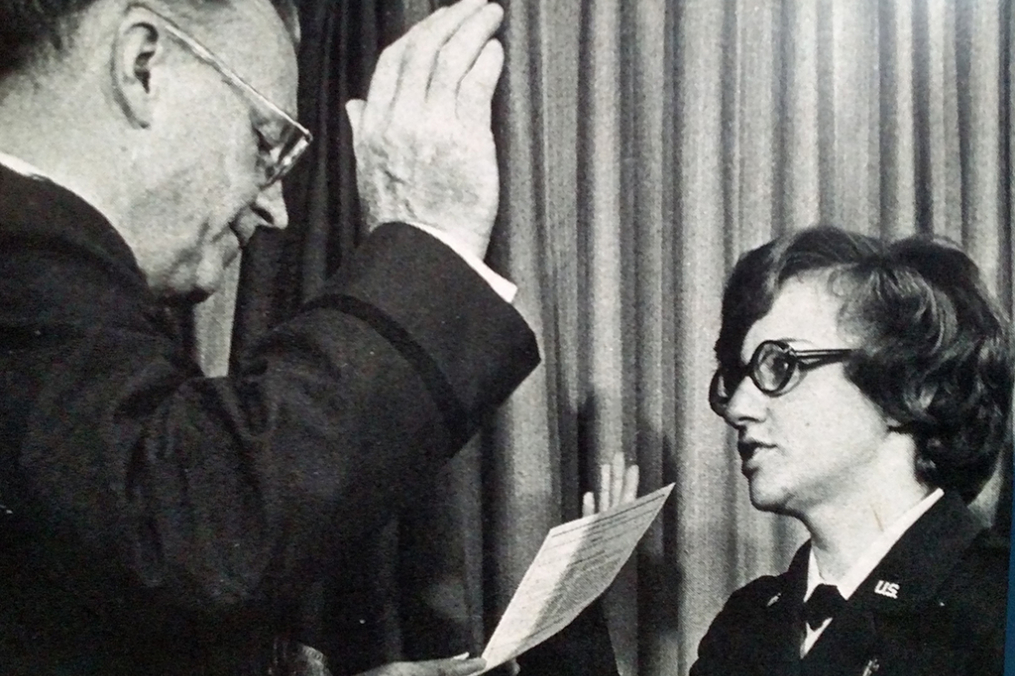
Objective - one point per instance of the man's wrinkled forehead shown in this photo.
(252, 39)
(286, 11)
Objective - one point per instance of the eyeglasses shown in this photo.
(772, 368)
(279, 150)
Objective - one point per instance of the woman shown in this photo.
(870, 387)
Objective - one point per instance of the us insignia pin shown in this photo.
(889, 589)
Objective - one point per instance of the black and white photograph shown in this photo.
(509, 337)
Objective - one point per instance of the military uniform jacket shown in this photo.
(155, 521)
(934, 606)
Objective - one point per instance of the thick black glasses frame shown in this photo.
(799, 360)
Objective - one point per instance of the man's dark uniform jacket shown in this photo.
(155, 521)
(951, 582)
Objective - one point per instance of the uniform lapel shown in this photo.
(780, 635)
(913, 570)
(898, 591)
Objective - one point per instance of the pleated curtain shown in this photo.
(644, 145)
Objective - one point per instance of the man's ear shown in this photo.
(139, 48)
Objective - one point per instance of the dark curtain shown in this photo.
(389, 600)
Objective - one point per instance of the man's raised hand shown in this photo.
(424, 148)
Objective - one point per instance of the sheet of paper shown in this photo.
(575, 564)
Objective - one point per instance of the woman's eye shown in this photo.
(780, 365)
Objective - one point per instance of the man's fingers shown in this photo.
(460, 54)
(423, 43)
(588, 504)
(354, 110)
(475, 94)
(384, 82)
(388, 74)
(450, 667)
(404, 70)
(446, 667)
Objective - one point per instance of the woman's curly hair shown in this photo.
(935, 350)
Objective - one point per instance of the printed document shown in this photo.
(575, 564)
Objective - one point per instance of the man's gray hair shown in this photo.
(29, 28)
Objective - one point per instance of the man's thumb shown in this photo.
(354, 109)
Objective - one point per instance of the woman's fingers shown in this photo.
(618, 484)
(617, 476)
(630, 492)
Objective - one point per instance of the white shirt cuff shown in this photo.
(501, 286)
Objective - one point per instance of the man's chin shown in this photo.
(186, 298)
(204, 280)
(190, 291)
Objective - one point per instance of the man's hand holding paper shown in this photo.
(451, 666)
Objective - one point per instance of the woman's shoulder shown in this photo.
(980, 575)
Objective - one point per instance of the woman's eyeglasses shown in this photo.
(772, 368)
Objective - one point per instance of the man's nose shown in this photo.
(269, 208)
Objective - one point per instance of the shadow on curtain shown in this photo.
(644, 146)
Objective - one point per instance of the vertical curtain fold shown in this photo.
(801, 154)
(648, 157)
(1008, 151)
(706, 517)
(521, 475)
(898, 129)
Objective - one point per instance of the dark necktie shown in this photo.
(825, 601)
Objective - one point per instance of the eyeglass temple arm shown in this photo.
(821, 355)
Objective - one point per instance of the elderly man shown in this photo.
(155, 521)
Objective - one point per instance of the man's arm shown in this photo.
(222, 488)
(228, 490)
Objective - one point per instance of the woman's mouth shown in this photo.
(749, 450)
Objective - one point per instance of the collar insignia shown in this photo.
(889, 589)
